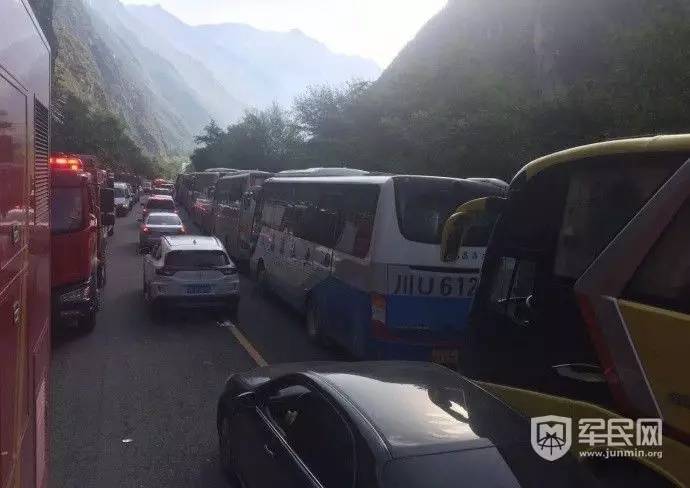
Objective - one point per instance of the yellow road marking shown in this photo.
(251, 350)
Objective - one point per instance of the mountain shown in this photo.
(166, 79)
(102, 63)
(487, 85)
(257, 67)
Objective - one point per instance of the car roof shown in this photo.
(159, 197)
(667, 143)
(416, 408)
(193, 243)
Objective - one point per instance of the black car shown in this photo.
(377, 424)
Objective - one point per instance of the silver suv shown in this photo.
(190, 271)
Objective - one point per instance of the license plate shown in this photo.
(408, 282)
(447, 357)
(198, 289)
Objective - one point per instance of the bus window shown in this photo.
(663, 278)
(513, 287)
(357, 211)
(599, 202)
(66, 210)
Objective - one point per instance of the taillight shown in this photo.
(145, 229)
(378, 316)
(165, 271)
(183, 230)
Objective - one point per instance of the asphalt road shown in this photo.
(133, 402)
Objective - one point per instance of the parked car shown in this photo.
(382, 424)
(158, 203)
(156, 225)
(190, 271)
(123, 199)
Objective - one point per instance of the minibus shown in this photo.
(359, 255)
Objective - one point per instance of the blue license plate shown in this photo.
(198, 289)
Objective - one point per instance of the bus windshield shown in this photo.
(424, 204)
(66, 213)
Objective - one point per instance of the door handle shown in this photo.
(268, 451)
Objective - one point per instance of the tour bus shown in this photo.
(360, 256)
(234, 207)
(583, 308)
(24, 248)
(202, 186)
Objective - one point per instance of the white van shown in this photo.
(123, 198)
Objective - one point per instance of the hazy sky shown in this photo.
(376, 29)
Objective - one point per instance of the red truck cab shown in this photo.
(77, 242)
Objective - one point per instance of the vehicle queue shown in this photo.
(541, 291)
(452, 271)
(569, 291)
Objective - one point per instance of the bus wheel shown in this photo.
(315, 324)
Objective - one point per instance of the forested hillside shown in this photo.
(136, 96)
(488, 85)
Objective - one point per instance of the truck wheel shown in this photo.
(87, 323)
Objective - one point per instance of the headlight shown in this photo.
(82, 293)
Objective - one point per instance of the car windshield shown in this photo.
(66, 214)
(119, 192)
(155, 203)
(196, 259)
(158, 219)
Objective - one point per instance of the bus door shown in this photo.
(637, 294)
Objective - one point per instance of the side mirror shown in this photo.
(247, 399)
(108, 219)
(452, 237)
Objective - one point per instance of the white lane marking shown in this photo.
(244, 342)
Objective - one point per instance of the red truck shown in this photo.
(24, 248)
(81, 211)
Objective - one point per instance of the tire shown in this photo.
(227, 462)
(315, 325)
(87, 323)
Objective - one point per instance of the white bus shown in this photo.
(360, 255)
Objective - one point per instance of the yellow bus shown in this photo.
(583, 306)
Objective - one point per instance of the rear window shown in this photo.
(162, 191)
(160, 204)
(200, 259)
(66, 213)
(163, 220)
(424, 204)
